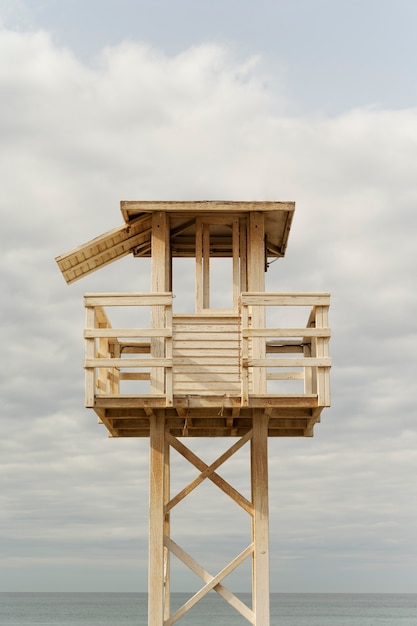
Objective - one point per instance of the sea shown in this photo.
(130, 609)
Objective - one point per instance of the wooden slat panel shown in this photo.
(104, 249)
(206, 361)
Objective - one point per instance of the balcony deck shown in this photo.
(208, 374)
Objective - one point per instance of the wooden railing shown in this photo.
(272, 354)
(259, 341)
(108, 350)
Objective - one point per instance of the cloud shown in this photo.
(139, 124)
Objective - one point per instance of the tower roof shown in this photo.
(134, 236)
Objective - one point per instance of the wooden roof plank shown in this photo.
(104, 249)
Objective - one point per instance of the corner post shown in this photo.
(256, 283)
(161, 269)
(157, 470)
(260, 523)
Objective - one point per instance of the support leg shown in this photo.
(260, 524)
(156, 522)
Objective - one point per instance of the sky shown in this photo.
(311, 101)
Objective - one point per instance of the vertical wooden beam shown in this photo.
(198, 265)
(243, 255)
(161, 262)
(260, 523)
(160, 283)
(167, 531)
(206, 266)
(115, 372)
(156, 521)
(323, 388)
(90, 349)
(236, 272)
(256, 282)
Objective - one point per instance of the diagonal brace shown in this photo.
(212, 582)
(207, 471)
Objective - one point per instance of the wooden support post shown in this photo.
(167, 530)
(206, 266)
(199, 265)
(90, 353)
(236, 268)
(156, 521)
(260, 524)
(160, 283)
(256, 283)
(323, 390)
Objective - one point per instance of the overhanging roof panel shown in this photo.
(135, 235)
(105, 249)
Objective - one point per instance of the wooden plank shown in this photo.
(222, 340)
(227, 343)
(243, 255)
(256, 282)
(260, 520)
(210, 376)
(127, 332)
(236, 267)
(128, 299)
(286, 332)
(90, 374)
(167, 530)
(285, 299)
(206, 386)
(156, 521)
(323, 378)
(199, 276)
(206, 265)
(202, 327)
(200, 355)
(218, 368)
(207, 361)
(285, 376)
(160, 280)
(146, 362)
(103, 249)
(169, 391)
(135, 347)
(135, 376)
(129, 207)
(290, 362)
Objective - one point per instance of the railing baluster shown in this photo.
(90, 373)
(108, 359)
(314, 343)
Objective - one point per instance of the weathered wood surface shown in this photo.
(256, 507)
(206, 354)
(207, 366)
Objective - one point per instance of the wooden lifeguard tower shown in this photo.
(249, 372)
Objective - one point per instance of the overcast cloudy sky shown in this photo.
(309, 100)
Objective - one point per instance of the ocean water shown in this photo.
(130, 609)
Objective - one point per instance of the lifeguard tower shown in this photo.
(250, 371)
